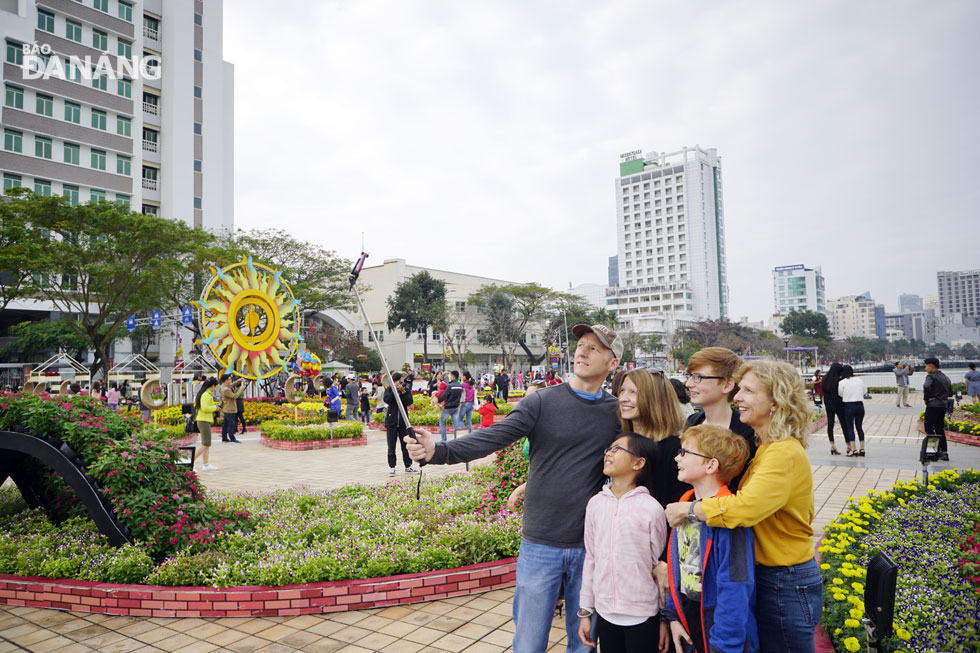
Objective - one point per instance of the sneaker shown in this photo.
(411, 470)
(208, 468)
(392, 472)
(898, 405)
(907, 406)
(235, 441)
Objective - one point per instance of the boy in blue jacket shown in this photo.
(711, 603)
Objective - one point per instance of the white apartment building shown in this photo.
(959, 292)
(798, 288)
(671, 240)
(465, 319)
(853, 315)
(157, 138)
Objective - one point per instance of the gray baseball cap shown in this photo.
(606, 336)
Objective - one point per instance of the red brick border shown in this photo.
(254, 601)
(955, 436)
(309, 445)
(819, 424)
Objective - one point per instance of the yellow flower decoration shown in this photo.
(825, 566)
(838, 581)
(852, 644)
(856, 614)
(852, 623)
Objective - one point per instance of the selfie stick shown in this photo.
(354, 274)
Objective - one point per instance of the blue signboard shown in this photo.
(155, 320)
(187, 315)
(131, 323)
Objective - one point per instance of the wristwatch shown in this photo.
(691, 517)
(584, 612)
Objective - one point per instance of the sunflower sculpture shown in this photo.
(250, 319)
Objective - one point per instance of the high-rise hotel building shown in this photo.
(156, 135)
(959, 292)
(671, 240)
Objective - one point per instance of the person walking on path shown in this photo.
(240, 414)
(469, 399)
(973, 383)
(833, 404)
(230, 392)
(487, 410)
(818, 388)
(353, 395)
(852, 390)
(902, 373)
(365, 400)
(568, 428)
(204, 410)
(775, 498)
(450, 398)
(935, 391)
(395, 427)
(112, 397)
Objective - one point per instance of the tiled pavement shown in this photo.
(478, 623)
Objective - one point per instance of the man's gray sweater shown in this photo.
(567, 436)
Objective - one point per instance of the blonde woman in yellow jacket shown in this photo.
(775, 498)
(204, 409)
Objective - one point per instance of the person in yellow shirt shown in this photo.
(205, 407)
(775, 498)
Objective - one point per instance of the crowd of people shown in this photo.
(681, 531)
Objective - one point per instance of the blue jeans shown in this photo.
(465, 415)
(540, 571)
(451, 413)
(789, 601)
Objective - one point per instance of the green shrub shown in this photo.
(340, 430)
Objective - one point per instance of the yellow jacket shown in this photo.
(775, 498)
(206, 413)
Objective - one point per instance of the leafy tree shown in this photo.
(459, 330)
(22, 245)
(651, 343)
(418, 304)
(105, 263)
(35, 340)
(968, 350)
(510, 310)
(809, 324)
(143, 338)
(940, 349)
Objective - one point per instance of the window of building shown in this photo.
(15, 53)
(11, 181)
(73, 153)
(150, 173)
(151, 26)
(71, 192)
(98, 159)
(197, 128)
(198, 19)
(149, 209)
(100, 82)
(96, 195)
(73, 112)
(123, 125)
(45, 21)
(123, 164)
(124, 49)
(197, 165)
(42, 187)
(460, 307)
(197, 202)
(44, 105)
(125, 11)
(101, 5)
(124, 87)
(199, 56)
(42, 147)
(73, 31)
(13, 141)
(14, 97)
(122, 200)
(100, 40)
(98, 119)
(197, 91)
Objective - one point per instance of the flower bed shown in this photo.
(290, 431)
(920, 527)
(256, 412)
(965, 420)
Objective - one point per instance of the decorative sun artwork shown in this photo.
(250, 319)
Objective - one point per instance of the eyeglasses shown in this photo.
(697, 378)
(683, 452)
(614, 448)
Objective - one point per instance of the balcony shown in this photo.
(150, 33)
(149, 184)
(149, 146)
(151, 109)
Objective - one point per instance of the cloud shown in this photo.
(484, 137)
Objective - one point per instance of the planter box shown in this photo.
(254, 601)
(955, 436)
(309, 445)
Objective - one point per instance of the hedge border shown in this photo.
(955, 436)
(252, 600)
(310, 445)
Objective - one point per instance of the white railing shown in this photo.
(150, 108)
(149, 146)
(149, 184)
(151, 33)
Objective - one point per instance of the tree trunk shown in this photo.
(425, 347)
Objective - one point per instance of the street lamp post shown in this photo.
(786, 348)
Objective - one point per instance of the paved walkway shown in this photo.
(478, 623)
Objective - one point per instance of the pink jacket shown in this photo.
(623, 541)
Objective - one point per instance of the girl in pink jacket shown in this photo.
(625, 533)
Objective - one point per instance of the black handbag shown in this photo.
(190, 426)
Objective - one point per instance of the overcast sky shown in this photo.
(484, 137)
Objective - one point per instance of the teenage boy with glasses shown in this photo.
(711, 384)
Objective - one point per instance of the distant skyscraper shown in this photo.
(613, 271)
(671, 239)
(909, 303)
(799, 288)
(854, 316)
(959, 292)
